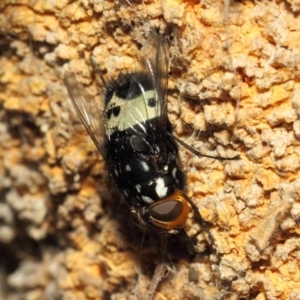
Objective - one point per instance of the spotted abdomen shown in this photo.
(140, 172)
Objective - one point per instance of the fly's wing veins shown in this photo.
(86, 107)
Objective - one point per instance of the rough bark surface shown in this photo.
(234, 88)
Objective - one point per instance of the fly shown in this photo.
(134, 135)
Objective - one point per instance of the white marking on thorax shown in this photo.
(147, 199)
(145, 166)
(174, 172)
(138, 188)
(161, 189)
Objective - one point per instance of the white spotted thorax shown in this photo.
(134, 135)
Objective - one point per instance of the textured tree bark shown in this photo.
(234, 88)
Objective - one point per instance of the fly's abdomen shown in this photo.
(143, 182)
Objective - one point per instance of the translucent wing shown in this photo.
(161, 75)
(87, 110)
(156, 62)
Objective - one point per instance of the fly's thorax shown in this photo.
(164, 216)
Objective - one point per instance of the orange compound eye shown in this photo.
(169, 213)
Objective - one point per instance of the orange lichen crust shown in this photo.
(234, 88)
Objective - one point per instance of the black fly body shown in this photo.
(134, 135)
